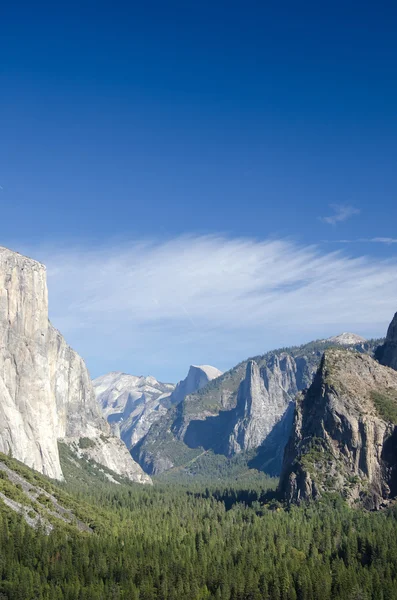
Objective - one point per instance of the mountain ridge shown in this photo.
(211, 420)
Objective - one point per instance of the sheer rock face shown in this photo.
(263, 398)
(344, 436)
(387, 353)
(45, 389)
(28, 417)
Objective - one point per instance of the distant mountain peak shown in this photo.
(115, 389)
(346, 339)
(211, 372)
(197, 378)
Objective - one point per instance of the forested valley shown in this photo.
(231, 541)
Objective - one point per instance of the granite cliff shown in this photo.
(386, 354)
(45, 391)
(344, 435)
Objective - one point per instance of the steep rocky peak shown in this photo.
(286, 361)
(282, 359)
(261, 403)
(354, 367)
(197, 377)
(387, 353)
(252, 370)
(280, 372)
(342, 429)
(148, 380)
(392, 330)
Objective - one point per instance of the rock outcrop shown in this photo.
(386, 354)
(344, 435)
(45, 391)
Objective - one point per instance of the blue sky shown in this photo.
(198, 140)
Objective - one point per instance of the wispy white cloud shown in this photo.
(159, 306)
(376, 240)
(341, 213)
(383, 240)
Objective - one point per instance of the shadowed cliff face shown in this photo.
(262, 399)
(45, 389)
(344, 432)
(386, 354)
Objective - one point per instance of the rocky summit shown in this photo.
(344, 434)
(45, 390)
(346, 339)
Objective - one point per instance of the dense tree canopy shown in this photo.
(172, 543)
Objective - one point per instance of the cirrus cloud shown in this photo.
(341, 213)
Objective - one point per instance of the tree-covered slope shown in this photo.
(40, 502)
